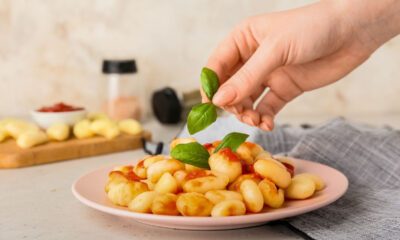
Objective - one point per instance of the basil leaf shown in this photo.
(232, 140)
(191, 153)
(201, 116)
(209, 82)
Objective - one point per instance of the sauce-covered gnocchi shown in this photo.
(248, 180)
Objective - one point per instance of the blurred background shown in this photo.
(52, 51)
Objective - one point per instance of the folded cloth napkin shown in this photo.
(368, 156)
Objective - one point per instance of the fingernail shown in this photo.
(224, 96)
(248, 120)
(264, 127)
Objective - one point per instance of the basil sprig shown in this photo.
(197, 155)
(233, 140)
(203, 115)
(209, 82)
(191, 153)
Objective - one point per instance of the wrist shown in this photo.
(374, 22)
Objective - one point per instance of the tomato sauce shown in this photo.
(289, 168)
(60, 107)
(130, 176)
(197, 174)
(229, 154)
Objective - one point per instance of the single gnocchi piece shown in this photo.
(58, 132)
(300, 188)
(227, 163)
(263, 155)
(273, 197)
(166, 184)
(150, 184)
(165, 204)
(217, 196)
(31, 138)
(180, 176)
(149, 160)
(177, 141)
(252, 196)
(82, 130)
(15, 128)
(319, 183)
(248, 151)
(194, 204)
(105, 128)
(191, 168)
(235, 186)
(229, 208)
(98, 116)
(157, 169)
(124, 192)
(205, 183)
(274, 171)
(142, 202)
(130, 126)
(124, 169)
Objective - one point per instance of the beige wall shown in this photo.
(52, 50)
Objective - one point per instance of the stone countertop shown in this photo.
(37, 203)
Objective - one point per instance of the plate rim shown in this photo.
(184, 220)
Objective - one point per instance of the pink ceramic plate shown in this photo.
(89, 189)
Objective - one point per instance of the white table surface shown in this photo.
(37, 203)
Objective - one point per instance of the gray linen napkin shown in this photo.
(368, 156)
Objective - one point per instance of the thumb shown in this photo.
(246, 80)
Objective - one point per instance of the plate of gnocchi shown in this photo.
(211, 186)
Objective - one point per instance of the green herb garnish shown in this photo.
(209, 82)
(191, 153)
(233, 140)
(203, 115)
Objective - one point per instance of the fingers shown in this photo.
(242, 84)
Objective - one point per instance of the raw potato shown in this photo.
(217, 196)
(252, 196)
(142, 202)
(166, 184)
(105, 128)
(300, 188)
(130, 126)
(82, 129)
(194, 204)
(31, 138)
(165, 204)
(229, 208)
(16, 127)
(58, 132)
(273, 197)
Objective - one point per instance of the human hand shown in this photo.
(296, 51)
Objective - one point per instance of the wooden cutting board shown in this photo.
(12, 156)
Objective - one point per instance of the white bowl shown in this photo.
(47, 119)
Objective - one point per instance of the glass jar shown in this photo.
(124, 90)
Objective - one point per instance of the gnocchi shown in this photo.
(31, 138)
(194, 204)
(130, 126)
(249, 180)
(58, 132)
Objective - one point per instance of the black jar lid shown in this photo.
(166, 106)
(119, 66)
